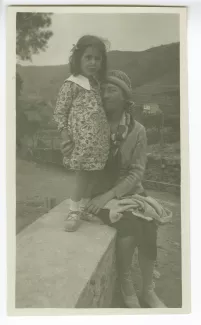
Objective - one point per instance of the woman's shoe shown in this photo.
(156, 274)
(131, 301)
(72, 221)
(150, 299)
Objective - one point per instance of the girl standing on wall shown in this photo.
(80, 117)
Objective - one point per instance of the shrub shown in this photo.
(153, 136)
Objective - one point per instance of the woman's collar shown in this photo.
(125, 119)
(123, 128)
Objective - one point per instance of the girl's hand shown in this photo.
(67, 147)
(99, 202)
(67, 143)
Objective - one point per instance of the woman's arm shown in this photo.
(134, 175)
(99, 202)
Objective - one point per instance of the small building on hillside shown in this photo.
(151, 108)
(164, 92)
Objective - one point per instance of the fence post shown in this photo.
(49, 203)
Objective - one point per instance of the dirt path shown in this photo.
(36, 182)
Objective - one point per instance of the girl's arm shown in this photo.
(62, 109)
(65, 135)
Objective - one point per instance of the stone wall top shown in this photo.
(52, 266)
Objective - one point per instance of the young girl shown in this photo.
(80, 116)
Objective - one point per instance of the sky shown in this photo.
(125, 32)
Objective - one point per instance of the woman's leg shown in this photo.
(125, 251)
(125, 247)
(148, 296)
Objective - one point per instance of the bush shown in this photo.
(152, 120)
(153, 136)
(170, 135)
(172, 121)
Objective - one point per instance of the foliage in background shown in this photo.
(32, 33)
(32, 37)
(43, 83)
(152, 72)
(159, 63)
(19, 85)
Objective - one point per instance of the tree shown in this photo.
(21, 120)
(19, 84)
(32, 33)
(32, 37)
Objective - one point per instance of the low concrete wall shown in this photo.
(55, 269)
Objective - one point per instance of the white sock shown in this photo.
(74, 205)
(83, 203)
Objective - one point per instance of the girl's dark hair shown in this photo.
(79, 49)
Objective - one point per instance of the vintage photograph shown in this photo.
(98, 218)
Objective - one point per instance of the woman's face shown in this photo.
(113, 98)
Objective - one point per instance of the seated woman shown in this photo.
(122, 177)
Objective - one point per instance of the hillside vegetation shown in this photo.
(156, 67)
(155, 79)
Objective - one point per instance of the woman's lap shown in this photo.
(144, 232)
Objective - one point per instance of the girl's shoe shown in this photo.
(131, 301)
(86, 216)
(72, 221)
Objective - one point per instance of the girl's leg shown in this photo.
(91, 179)
(86, 195)
(125, 251)
(79, 186)
(148, 296)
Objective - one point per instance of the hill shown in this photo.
(144, 67)
(155, 67)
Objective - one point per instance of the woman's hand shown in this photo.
(99, 202)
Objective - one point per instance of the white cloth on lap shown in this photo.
(143, 207)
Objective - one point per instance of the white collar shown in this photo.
(81, 81)
(123, 119)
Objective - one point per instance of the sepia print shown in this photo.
(98, 102)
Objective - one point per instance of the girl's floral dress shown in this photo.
(79, 109)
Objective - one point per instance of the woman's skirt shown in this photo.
(144, 232)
